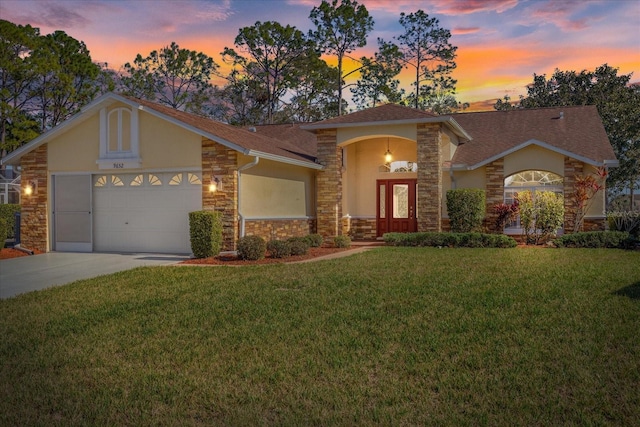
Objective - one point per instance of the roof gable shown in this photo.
(241, 140)
(576, 132)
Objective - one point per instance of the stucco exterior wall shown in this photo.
(163, 145)
(364, 166)
(276, 190)
(347, 136)
(534, 158)
(470, 179)
(77, 149)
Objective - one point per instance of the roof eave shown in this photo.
(447, 120)
(287, 160)
(544, 145)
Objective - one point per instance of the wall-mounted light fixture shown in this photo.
(31, 188)
(215, 185)
(387, 155)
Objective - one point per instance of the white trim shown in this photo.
(539, 144)
(287, 160)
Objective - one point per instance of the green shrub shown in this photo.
(314, 240)
(279, 248)
(299, 245)
(466, 208)
(251, 248)
(433, 239)
(342, 241)
(628, 221)
(8, 212)
(593, 239)
(205, 232)
(541, 214)
(4, 232)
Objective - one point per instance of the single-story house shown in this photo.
(123, 173)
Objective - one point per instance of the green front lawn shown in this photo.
(394, 336)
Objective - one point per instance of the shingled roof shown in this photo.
(383, 113)
(388, 114)
(292, 133)
(243, 139)
(574, 131)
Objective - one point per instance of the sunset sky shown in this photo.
(501, 43)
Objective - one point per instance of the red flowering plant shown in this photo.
(585, 189)
(505, 213)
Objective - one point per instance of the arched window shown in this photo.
(119, 139)
(533, 180)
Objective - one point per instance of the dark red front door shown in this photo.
(396, 206)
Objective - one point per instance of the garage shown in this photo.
(144, 212)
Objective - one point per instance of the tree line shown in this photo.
(278, 75)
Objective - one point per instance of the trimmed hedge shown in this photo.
(8, 212)
(342, 242)
(4, 231)
(279, 248)
(314, 240)
(205, 231)
(595, 239)
(452, 240)
(298, 245)
(251, 248)
(466, 208)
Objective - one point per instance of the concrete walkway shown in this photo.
(31, 273)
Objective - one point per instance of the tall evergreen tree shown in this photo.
(426, 48)
(273, 55)
(342, 26)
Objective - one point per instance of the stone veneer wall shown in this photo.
(429, 177)
(220, 161)
(34, 226)
(279, 229)
(594, 224)
(571, 169)
(329, 184)
(362, 228)
(494, 191)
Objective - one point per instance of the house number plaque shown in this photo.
(110, 164)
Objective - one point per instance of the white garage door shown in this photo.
(144, 212)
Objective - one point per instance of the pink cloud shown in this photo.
(559, 13)
(473, 6)
(465, 30)
(446, 7)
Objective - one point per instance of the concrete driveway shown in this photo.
(31, 273)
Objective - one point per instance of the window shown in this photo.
(119, 131)
(532, 180)
(119, 145)
(402, 166)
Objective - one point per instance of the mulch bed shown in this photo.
(233, 260)
(6, 253)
